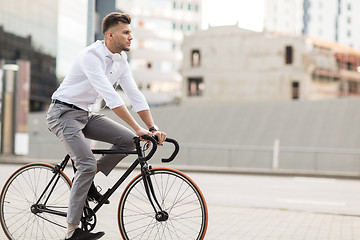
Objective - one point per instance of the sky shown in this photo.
(248, 13)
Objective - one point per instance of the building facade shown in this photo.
(159, 28)
(330, 20)
(35, 18)
(29, 31)
(43, 79)
(229, 64)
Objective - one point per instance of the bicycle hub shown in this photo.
(162, 216)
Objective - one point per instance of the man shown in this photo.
(95, 71)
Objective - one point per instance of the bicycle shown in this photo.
(159, 203)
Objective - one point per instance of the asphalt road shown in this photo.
(247, 206)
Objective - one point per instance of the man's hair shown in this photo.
(113, 19)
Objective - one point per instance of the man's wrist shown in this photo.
(138, 128)
(153, 128)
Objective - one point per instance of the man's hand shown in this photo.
(142, 131)
(161, 136)
(145, 115)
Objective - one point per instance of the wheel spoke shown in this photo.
(178, 197)
(22, 191)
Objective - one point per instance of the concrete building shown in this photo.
(42, 74)
(159, 28)
(331, 20)
(28, 30)
(229, 64)
(102, 8)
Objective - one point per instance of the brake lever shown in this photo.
(153, 149)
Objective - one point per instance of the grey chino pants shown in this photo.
(72, 127)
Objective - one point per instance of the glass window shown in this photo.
(295, 90)
(353, 87)
(195, 86)
(288, 54)
(195, 58)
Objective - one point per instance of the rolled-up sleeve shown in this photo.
(92, 66)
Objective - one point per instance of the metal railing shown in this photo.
(341, 160)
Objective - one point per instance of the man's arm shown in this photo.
(124, 114)
(145, 115)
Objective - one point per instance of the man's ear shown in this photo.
(109, 35)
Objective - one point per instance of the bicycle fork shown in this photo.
(40, 208)
(160, 214)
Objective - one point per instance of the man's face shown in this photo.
(121, 37)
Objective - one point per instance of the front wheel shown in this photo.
(21, 217)
(181, 200)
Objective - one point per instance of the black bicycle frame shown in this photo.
(140, 160)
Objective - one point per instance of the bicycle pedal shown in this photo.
(96, 196)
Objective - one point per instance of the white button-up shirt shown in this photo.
(93, 75)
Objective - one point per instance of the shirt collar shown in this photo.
(116, 57)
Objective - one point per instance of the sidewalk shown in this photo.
(258, 224)
(263, 224)
(274, 224)
(245, 207)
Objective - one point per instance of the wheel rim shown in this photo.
(19, 218)
(178, 197)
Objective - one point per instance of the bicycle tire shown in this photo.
(177, 194)
(21, 191)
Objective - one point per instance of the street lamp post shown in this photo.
(8, 104)
(15, 108)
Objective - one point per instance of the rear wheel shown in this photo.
(21, 217)
(184, 208)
